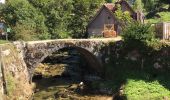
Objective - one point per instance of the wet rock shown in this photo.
(107, 91)
(64, 96)
(134, 55)
(37, 90)
(56, 95)
(73, 87)
(157, 65)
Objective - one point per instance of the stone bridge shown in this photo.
(93, 50)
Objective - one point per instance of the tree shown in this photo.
(57, 14)
(82, 13)
(140, 35)
(138, 5)
(165, 2)
(124, 18)
(21, 13)
(152, 5)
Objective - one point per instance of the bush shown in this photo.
(140, 36)
(138, 32)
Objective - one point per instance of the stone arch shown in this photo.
(35, 55)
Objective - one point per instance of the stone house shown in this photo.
(105, 24)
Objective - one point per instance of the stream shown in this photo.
(63, 76)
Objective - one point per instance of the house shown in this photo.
(105, 23)
(2, 1)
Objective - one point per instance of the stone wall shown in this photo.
(158, 60)
(14, 83)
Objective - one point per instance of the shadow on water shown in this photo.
(66, 82)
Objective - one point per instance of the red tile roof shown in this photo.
(110, 6)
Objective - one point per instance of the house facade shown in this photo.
(104, 20)
(105, 24)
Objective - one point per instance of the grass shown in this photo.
(139, 84)
(10, 85)
(3, 41)
(165, 17)
(144, 90)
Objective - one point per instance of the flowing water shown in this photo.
(60, 77)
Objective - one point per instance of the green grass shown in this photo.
(165, 17)
(3, 41)
(139, 84)
(143, 90)
(10, 85)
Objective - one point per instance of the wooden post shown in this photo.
(164, 31)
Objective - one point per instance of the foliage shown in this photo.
(67, 18)
(24, 32)
(150, 5)
(138, 5)
(164, 2)
(164, 16)
(3, 41)
(123, 17)
(82, 13)
(10, 84)
(138, 33)
(57, 14)
(20, 12)
(49, 18)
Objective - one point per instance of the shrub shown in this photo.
(138, 32)
(140, 36)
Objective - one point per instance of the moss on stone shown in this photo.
(10, 84)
